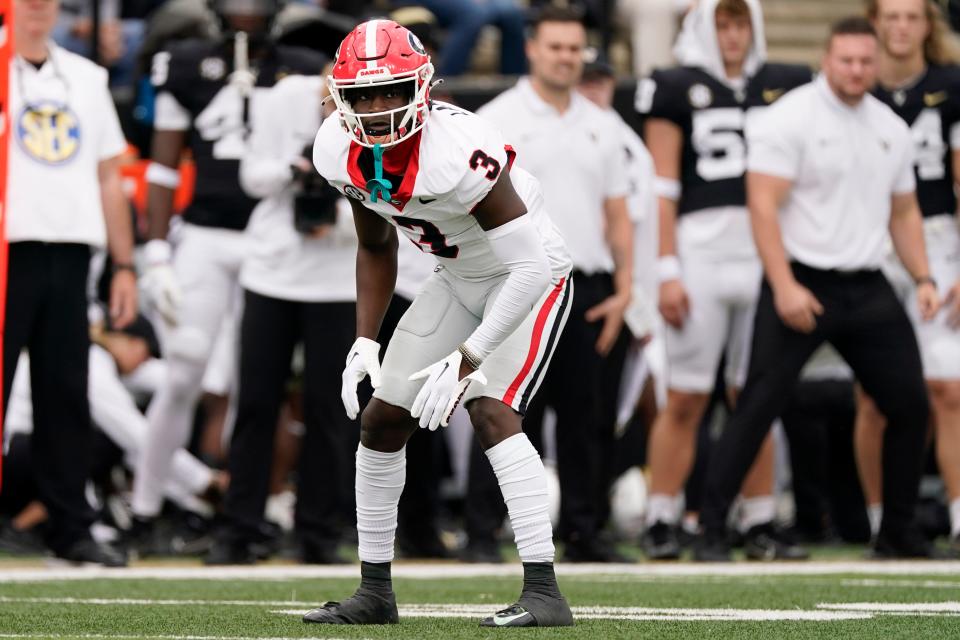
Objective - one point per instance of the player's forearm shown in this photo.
(376, 279)
(517, 244)
(620, 240)
(906, 231)
(769, 241)
(116, 214)
(159, 211)
(667, 229)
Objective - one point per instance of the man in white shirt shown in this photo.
(63, 197)
(575, 149)
(830, 175)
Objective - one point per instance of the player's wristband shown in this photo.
(667, 188)
(668, 268)
(163, 176)
(924, 280)
(472, 359)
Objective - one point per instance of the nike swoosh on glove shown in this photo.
(160, 281)
(363, 360)
(441, 392)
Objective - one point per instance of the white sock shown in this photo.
(380, 480)
(523, 483)
(955, 517)
(875, 516)
(662, 508)
(754, 511)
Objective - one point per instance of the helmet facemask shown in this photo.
(390, 127)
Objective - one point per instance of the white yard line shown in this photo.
(894, 607)
(456, 570)
(125, 636)
(917, 584)
(636, 614)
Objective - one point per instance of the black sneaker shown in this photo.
(765, 542)
(20, 542)
(592, 550)
(712, 547)
(89, 551)
(366, 606)
(906, 544)
(661, 542)
(533, 610)
(481, 551)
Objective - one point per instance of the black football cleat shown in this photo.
(366, 606)
(765, 542)
(88, 551)
(661, 542)
(533, 610)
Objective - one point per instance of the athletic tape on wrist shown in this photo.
(163, 176)
(667, 188)
(668, 268)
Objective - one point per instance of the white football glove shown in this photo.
(363, 360)
(160, 282)
(442, 391)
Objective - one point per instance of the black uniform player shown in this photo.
(207, 92)
(695, 116)
(918, 80)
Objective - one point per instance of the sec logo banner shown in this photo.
(48, 132)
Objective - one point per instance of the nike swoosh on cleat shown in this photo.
(502, 621)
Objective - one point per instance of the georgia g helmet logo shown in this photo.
(378, 53)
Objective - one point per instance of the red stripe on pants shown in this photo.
(534, 342)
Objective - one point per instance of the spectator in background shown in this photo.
(119, 39)
(299, 286)
(832, 167)
(57, 100)
(708, 269)
(575, 149)
(653, 29)
(464, 19)
(917, 64)
(206, 92)
(598, 85)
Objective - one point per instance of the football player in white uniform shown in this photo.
(483, 329)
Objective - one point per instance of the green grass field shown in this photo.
(826, 599)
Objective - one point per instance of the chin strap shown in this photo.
(378, 186)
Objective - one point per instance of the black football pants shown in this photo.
(46, 313)
(269, 332)
(868, 326)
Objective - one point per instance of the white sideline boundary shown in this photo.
(453, 570)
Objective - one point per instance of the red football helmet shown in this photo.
(379, 53)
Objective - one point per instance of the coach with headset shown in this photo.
(64, 198)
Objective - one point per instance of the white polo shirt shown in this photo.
(845, 164)
(62, 125)
(283, 262)
(579, 159)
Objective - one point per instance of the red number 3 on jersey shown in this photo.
(480, 159)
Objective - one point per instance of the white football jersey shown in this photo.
(459, 158)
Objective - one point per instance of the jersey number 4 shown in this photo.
(929, 147)
(431, 240)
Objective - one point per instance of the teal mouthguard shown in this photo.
(378, 186)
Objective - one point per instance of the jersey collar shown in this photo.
(538, 106)
(402, 194)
